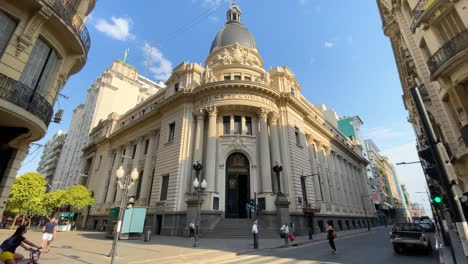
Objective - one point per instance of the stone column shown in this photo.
(313, 166)
(210, 166)
(338, 174)
(147, 171)
(275, 150)
(136, 159)
(198, 151)
(265, 153)
(345, 182)
(106, 171)
(112, 181)
(324, 176)
(331, 166)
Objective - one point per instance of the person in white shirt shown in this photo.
(285, 234)
(255, 234)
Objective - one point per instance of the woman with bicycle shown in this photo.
(9, 246)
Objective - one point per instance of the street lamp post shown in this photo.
(125, 186)
(199, 189)
(277, 168)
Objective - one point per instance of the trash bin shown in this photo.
(147, 235)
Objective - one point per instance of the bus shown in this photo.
(65, 221)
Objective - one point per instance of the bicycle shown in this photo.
(34, 255)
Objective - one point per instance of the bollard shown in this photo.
(147, 235)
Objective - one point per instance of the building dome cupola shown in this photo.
(233, 31)
(233, 14)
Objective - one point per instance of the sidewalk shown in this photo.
(445, 255)
(92, 247)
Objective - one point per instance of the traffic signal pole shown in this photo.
(444, 169)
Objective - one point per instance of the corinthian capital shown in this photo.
(274, 118)
(212, 110)
(199, 113)
(263, 113)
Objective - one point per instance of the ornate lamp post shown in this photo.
(199, 189)
(277, 168)
(125, 186)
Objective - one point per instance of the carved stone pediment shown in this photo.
(235, 54)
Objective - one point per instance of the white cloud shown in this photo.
(118, 28)
(328, 44)
(156, 62)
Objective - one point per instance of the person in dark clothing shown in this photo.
(9, 246)
(49, 231)
(331, 235)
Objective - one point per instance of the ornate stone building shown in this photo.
(238, 120)
(42, 43)
(430, 43)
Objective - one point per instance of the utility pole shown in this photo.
(444, 170)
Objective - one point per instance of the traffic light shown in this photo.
(436, 193)
(437, 199)
(429, 166)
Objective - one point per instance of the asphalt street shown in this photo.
(360, 249)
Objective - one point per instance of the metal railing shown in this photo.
(454, 46)
(19, 94)
(418, 10)
(66, 11)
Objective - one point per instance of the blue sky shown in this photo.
(336, 49)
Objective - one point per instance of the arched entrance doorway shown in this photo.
(237, 185)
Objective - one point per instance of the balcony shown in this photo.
(69, 15)
(19, 94)
(457, 47)
(421, 10)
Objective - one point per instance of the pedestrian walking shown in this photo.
(49, 231)
(331, 235)
(248, 209)
(255, 234)
(285, 234)
(192, 229)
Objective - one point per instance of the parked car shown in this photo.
(406, 237)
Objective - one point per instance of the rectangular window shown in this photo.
(227, 125)
(216, 203)
(298, 136)
(176, 87)
(237, 77)
(315, 151)
(134, 151)
(7, 27)
(146, 146)
(113, 159)
(164, 186)
(237, 125)
(123, 155)
(450, 26)
(171, 132)
(304, 189)
(151, 187)
(138, 190)
(247, 78)
(248, 124)
(38, 70)
(293, 92)
(227, 77)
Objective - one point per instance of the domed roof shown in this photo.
(233, 32)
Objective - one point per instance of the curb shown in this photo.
(305, 242)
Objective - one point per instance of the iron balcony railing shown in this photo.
(19, 94)
(418, 11)
(450, 49)
(66, 11)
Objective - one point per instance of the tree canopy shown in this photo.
(28, 197)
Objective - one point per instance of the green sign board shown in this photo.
(114, 213)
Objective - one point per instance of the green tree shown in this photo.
(78, 196)
(53, 200)
(26, 196)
